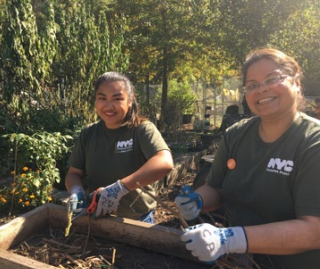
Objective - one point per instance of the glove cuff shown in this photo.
(124, 190)
(75, 189)
(238, 242)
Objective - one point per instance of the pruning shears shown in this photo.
(91, 208)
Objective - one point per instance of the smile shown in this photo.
(109, 113)
(265, 100)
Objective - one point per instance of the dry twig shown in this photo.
(175, 212)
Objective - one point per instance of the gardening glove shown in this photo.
(109, 198)
(208, 243)
(189, 202)
(77, 198)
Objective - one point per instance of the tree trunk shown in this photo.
(164, 96)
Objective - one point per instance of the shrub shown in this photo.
(33, 161)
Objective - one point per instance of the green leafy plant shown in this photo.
(34, 170)
(181, 100)
(29, 190)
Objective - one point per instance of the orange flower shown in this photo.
(25, 189)
(25, 168)
(3, 200)
(24, 175)
(26, 203)
(20, 200)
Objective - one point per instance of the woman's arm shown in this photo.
(278, 238)
(154, 169)
(211, 198)
(74, 177)
(286, 237)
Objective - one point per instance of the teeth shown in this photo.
(265, 100)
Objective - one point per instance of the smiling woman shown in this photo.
(271, 190)
(118, 151)
(112, 103)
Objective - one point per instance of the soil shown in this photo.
(53, 248)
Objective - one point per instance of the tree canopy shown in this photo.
(52, 51)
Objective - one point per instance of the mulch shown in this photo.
(79, 251)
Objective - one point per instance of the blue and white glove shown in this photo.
(109, 198)
(77, 198)
(189, 202)
(208, 243)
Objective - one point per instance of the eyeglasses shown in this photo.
(267, 83)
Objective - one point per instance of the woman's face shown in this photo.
(277, 99)
(112, 103)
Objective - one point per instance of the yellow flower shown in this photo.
(26, 203)
(25, 168)
(13, 184)
(50, 198)
(3, 200)
(24, 175)
(25, 189)
(32, 196)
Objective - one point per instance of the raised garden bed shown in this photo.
(151, 240)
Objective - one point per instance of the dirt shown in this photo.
(80, 251)
(53, 248)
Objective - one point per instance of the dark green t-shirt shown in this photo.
(271, 181)
(107, 155)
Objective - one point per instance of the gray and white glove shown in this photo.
(77, 198)
(189, 202)
(109, 198)
(208, 243)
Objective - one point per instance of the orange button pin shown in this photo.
(231, 163)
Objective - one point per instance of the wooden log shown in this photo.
(20, 228)
(9, 260)
(135, 233)
(153, 237)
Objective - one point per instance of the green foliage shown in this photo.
(181, 96)
(34, 167)
(40, 150)
(181, 100)
(20, 50)
(306, 23)
(30, 189)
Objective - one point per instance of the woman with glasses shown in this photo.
(266, 173)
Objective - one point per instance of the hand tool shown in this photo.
(91, 208)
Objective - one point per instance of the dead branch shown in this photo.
(175, 212)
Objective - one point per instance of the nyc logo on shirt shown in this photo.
(124, 146)
(276, 165)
